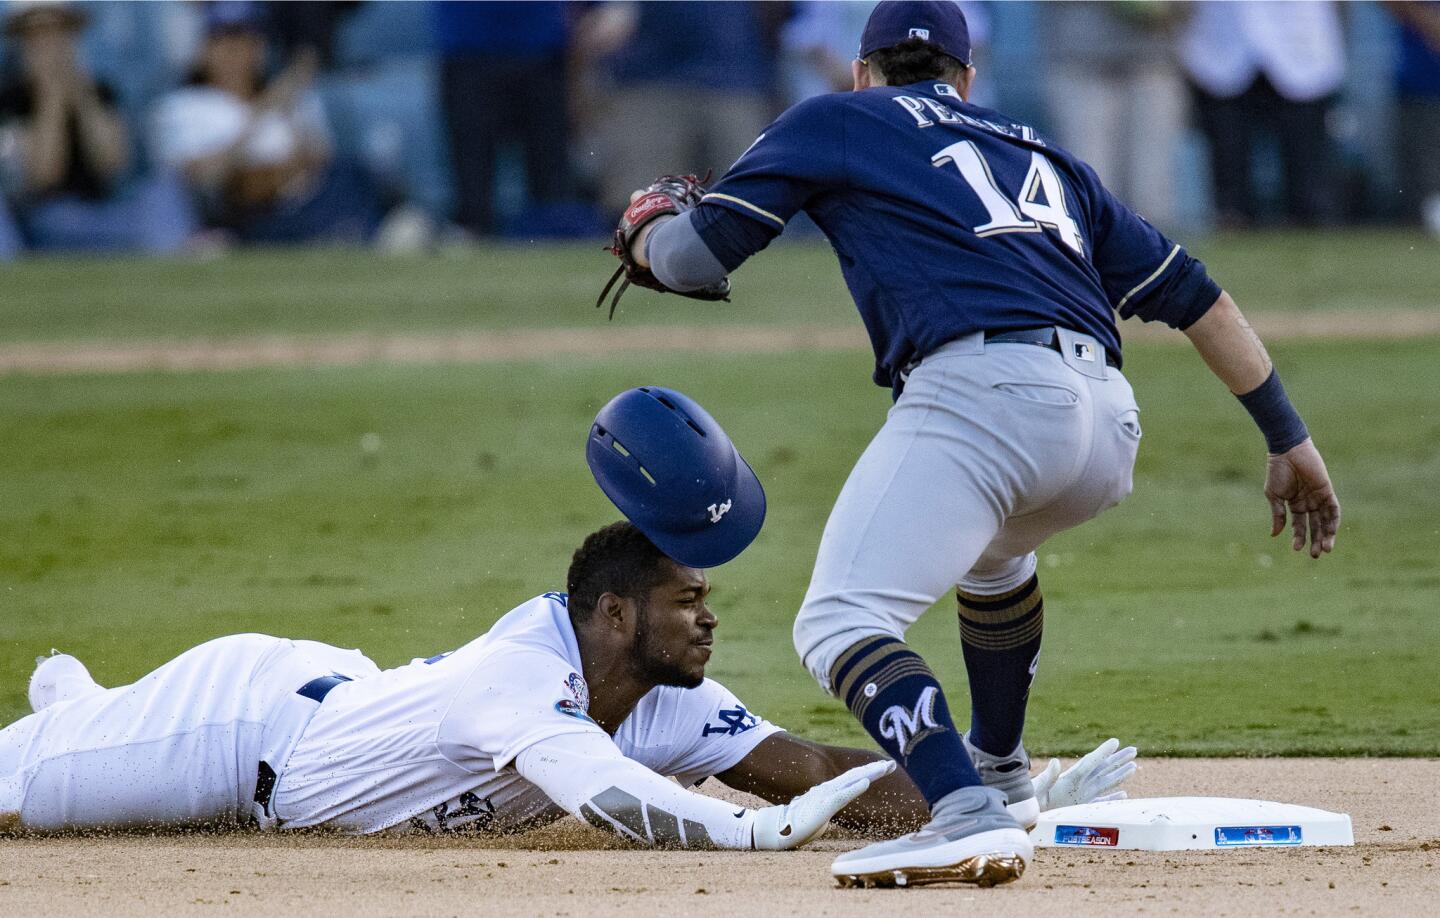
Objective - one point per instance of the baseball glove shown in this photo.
(667, 195)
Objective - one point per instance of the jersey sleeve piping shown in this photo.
(1151, 279)
(745, 204)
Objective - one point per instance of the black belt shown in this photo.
(316, 690)
(1044, 337)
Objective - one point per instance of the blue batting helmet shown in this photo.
(673, 472)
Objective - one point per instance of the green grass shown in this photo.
(141, 514)
(312, 291)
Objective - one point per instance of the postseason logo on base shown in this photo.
(1090, 836)
(1228, 836)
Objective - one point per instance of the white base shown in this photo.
(1190, 824)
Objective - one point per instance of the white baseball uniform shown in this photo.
(493, 736)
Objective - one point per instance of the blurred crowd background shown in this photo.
(197, 127)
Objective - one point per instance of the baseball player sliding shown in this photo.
(988, 266)
(581, 703)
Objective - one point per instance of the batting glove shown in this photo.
(1093, 779)
(790, 825)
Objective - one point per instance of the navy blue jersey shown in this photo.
(949, 219)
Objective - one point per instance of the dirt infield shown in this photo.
(571, 870)
(66, 357)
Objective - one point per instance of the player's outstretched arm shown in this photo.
(587, 775)
(801, 152)
(689, 268)
(1296, 479)
(784, 765)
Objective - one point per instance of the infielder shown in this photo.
(582, 703)
(988, 266)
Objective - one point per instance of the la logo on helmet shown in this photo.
(718, 510)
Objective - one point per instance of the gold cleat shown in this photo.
(974, 840)
(982, 870)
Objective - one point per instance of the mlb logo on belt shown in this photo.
(1084, 351)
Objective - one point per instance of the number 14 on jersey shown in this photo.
(1040, 203)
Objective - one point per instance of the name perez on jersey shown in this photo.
(927, 113)
(957, 199)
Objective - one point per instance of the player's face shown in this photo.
(675, 629)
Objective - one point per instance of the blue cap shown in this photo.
(941, 23)
(667, 465)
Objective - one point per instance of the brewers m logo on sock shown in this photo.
(908, 728)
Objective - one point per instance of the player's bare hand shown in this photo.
(1297, 482)
(790, 825)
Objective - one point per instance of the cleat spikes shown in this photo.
(982, 870)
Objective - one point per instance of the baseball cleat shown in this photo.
(1009, 774)
(59, 677)
(971, 838)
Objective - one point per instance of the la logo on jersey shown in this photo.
(718, 510)
(907, 728)
(733, 721)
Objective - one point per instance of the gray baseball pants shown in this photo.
(990, 450)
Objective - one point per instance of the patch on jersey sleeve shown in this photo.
(575, 685)
(572, 709)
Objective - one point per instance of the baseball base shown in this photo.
(1190, 824)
